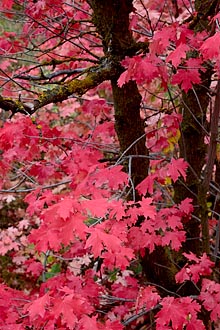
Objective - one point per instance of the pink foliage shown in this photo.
(80, 240)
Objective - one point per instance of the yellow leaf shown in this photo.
(168, 181)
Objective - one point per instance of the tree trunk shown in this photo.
(111, 19)
(192, 145)
(193, 149)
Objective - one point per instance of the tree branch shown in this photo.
(95, 76)
(50, 76)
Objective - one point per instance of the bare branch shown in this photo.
(95, 76)
(50, 76)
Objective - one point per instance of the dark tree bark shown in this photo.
(111, 19)
(193, 149)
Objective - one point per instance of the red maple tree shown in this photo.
(109, 164)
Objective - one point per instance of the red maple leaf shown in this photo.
(180, 312)
(139, 69)
(75, 305)
(210, 297)
(88, 323)
(44, 239)
(147, 209)
(139, 239)
(191, 257)
(211, 47)
(176, 168)
(147, 184)
(120, 259)
(62, 209)
(178, 54)
(97, 207)
(174, 238)
(34, 267)
(73, 227)
(186, 206)
(195, 268)
(113, 176)
(98, 240)
(186, 78)
(147, 298)
(38, 306)
(162, 38)
(7, 4)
